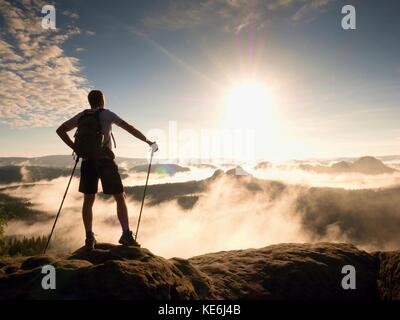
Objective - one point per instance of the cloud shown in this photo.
(279, 4)
(310, 10)
(292, 174)
(90, 33)
(70, 14)
(223, 219)
(40, 85)
(232, 15)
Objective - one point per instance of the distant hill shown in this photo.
(370, 165)
(16, 174)
(18, 209)
(62, 161)
(277, 272)
(203, 165)
(33, 173)
(9, 161)
(59, 161)
(365, 165)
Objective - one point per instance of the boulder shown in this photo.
(277, 272)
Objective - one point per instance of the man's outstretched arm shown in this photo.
(62, 133)
(135, 132)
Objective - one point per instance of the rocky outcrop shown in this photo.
(389, 275)
(364, 165)
(284, 271)
(290, 271)
(109, 272)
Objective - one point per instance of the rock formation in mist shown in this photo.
(364, 165)
(263, 165)
(237, 172)
(370, 165)
(284, 271)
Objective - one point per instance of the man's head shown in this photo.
(96, 99)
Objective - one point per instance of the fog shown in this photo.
(227, 218)
(228, 215)
(346, 181)
(157, 178)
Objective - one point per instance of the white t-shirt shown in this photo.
(107, 118)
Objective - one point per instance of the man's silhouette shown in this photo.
(103, 168)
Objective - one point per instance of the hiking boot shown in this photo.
(128, 240)
(90, 241)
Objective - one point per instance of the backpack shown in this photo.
(88, 137)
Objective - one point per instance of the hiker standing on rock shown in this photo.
(93, 145)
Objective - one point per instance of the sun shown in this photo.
(250, 104)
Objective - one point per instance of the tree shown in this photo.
(2, 222)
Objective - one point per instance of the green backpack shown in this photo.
(89, 138)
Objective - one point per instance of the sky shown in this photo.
(272, 79)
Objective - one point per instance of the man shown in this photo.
(103, 168)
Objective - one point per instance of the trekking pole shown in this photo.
(62, 202)
(144, 195)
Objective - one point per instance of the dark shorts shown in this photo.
(104, 169)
